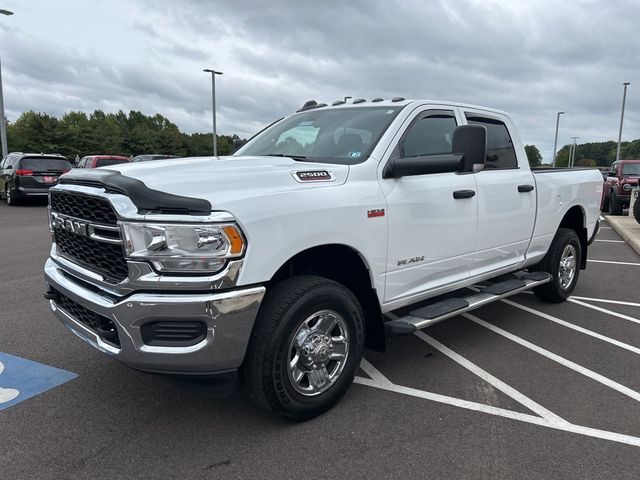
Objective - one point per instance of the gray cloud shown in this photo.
(531, 59)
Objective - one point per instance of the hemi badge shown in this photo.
(378, 212)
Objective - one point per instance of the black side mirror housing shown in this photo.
(611, 174)
(470, 141)
(469, 146)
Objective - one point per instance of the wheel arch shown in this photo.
(575, 219)
(347, 266)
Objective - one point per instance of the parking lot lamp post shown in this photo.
(555, 142)
(213, 107)
(573, 154)
(624, 97)
(3, 122)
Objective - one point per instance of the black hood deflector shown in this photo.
(146, 199)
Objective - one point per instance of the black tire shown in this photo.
(11, 201)
(636, 210)
(554, 291)
(615, 205)
(284, 309)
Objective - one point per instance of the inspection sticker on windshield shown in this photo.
(21, 379)
(355, 154)
(313, 176)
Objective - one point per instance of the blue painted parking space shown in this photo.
(21, 379)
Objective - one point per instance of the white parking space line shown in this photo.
(609, 241)
(573, 327)
(604, 300)
(614, 263)
(487, 377)
(557, 358)
(604, 310)
(605, 228)
(373, 372)
(501, 412)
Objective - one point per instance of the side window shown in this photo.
(500, 151)
(430, 133)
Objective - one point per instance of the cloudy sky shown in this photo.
(529, 58)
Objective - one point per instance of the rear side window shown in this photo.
(500, 151)
(103, 162)
(430, 134)
(45, 164)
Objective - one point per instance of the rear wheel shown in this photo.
(9, 197)
(562, 261)
(615, 205)
(305, 348)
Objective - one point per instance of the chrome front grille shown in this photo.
(85, 232)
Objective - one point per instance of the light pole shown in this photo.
(3, 122)
(572, 156)
(624, 97)
(213, 106)
(555, 142)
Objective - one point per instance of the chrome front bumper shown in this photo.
(229, 317)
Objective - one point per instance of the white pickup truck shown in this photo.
(284, 260)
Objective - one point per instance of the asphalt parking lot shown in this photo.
(520, 389)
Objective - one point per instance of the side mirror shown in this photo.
(469, 146)
(470, 141)
(612, 174)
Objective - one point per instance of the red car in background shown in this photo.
(95, 161)
(621, 179)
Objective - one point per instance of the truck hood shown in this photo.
(225, 179)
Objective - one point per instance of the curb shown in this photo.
(627, 228)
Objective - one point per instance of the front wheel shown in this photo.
(305, 347)
(636, 210)
(562, 261)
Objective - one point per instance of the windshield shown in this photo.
(631, 169)
(45, 164)
(341, 135)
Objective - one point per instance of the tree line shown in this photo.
(590, 154)
(133, 133)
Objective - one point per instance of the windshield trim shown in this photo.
(332, 160)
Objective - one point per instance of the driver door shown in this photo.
(431, 233)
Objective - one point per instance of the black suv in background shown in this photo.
(25, 175)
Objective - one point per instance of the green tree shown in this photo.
(533, 155)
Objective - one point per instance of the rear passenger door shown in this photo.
(506, 197)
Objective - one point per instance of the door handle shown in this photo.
(463, 194)
(525, 188)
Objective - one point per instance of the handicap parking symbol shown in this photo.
(21, 379)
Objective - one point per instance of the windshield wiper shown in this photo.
(294, 157)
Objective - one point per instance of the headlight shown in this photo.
(180, 248)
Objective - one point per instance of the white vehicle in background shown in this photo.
(282, 260)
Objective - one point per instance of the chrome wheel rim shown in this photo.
(567, 266)
(318, 353)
